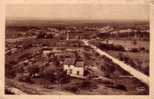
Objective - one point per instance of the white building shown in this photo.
(74, 69)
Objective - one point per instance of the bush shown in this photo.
(132, 63)
(8, 92)
(54, 75)
(142, 49)
(119, 48)
(26, 78)
(25, 56)
(27, 44)
(65, 79)
(146, 70)
(118, 86)
(44, 35)
(40, 35)
(135, 50)
(147, 50)
(134, 42)
(124, 58)
(111, 47)
(9, 69)
(33, 69)
(88, 84)
(109, 65)
(73, 89)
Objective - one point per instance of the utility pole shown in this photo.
(67, 37)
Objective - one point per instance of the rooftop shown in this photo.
(71, 61)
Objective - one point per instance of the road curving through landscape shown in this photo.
(137, 74)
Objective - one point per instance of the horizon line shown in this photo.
(42, 22)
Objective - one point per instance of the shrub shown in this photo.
(134, 42)
(27, 44)
(119, 48)
(110, 66)
(73, 89)
(33, 69)
(9, 69)
(25, 56)
(118, 86)
(111, 47)
(135, 50)
(142, 49)
(40, 35)
(121, 56)
(146, 70)
(124, 58)
(147, 50)
(25, 78)
(88, 84)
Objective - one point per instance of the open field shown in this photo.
(130, 44)
(135, 54)
(141, 61)
(144, 57)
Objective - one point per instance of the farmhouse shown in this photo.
(74, 68)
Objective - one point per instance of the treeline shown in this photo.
(132, 35)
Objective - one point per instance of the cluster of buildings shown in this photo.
(71, 60)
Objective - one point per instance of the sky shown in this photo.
(77, 12)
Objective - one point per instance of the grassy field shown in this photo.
(142, 58)
(130, 44)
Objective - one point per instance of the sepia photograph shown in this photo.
(77, 49)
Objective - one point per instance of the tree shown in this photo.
(33, 69)
(109, 66)
(121, 56)
(51, 74)
(62, 77)
(40, 35)
(134, 42)
(9, 70)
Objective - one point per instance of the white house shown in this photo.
(74, 68)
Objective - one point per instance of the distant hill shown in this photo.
(68, 22)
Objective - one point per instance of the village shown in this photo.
(70, 64)
(76, 49)
(81, 58)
